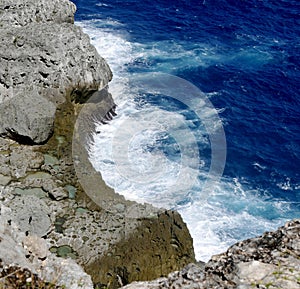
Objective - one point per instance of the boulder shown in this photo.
(25, 122)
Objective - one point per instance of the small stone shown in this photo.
(58, 194)
(254, 270)
(37, 246)
(50, 160)
(4, 180)
(72, 191)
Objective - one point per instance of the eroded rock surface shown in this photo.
(51, 221)
(44, 57)
(117, 245)
(23, 257)
(48, 70)
(23, 12)
(269, 261)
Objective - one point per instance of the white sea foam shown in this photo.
(112, 46)
(228, 215)
(286, 185)
(140, 170)
(102, 4)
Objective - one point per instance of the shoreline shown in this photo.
(54, 216)
(40, 187)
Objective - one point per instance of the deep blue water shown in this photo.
(244, 56)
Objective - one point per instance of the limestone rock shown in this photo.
(59, 193)
(27, 116)
(22, 12)
(36, 246)
(23, 160)
(44, 59)
(150, 248)
(10, 250)
(188, 278)
(4, 180)
(14, 250)
(71, 275)
(4, 161)
(254, 271)
(31, 214)
(269, 261)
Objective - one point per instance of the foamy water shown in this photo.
(140, 154)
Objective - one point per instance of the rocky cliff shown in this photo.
(269, 261)
(49, 210)
(43, 57)
(59, 222)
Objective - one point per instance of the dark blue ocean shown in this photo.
(244, 56)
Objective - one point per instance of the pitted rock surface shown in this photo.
(44, 58)
(48, 70)
(269, 261)
(23, 12)
(20, 253)
(40, 204)
(48, 66)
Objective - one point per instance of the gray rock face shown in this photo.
(251, 261)
(21, 119)
(23, 12)
(21, 160)
(187, 278)
(41, 200)
(44, 59)
(20, 253)
(31, 214)
(36, 246)
(48, 70)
